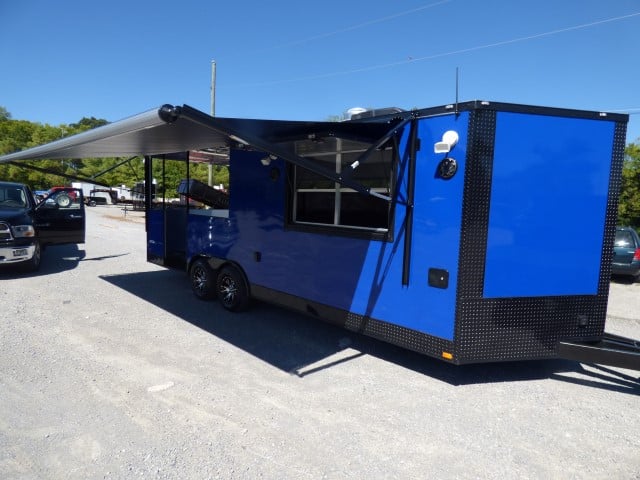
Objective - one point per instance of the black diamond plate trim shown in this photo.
(475, 203)
(611, 219)
(401, 336)
(524, 328)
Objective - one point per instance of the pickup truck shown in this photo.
(27, 227)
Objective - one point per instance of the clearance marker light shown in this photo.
(447, 355)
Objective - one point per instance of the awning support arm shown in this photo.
(411, 187)
(53, 172)
(128, 160)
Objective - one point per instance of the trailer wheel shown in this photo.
(202, 280)
(232, 289)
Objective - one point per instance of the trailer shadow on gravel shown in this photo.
(303, 346)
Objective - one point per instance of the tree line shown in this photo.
(20, 134)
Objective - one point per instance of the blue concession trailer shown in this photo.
(474, 232)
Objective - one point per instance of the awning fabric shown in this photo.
(170, 129)
(154, 132)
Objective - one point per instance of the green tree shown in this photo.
(4, 114)
(17, 135)
(87, 124)
(629, 207)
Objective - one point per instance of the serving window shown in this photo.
(318, 201)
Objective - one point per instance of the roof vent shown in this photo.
(373, 112)
(353, 112)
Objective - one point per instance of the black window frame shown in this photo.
(338, 191)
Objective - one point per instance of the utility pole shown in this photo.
(213, 88)
(213, 114)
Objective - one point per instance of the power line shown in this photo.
(440, 55)
(355, 27)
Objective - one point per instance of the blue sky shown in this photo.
(297, 60)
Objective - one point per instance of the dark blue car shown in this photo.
(626, 253)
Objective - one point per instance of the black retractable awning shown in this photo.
(157, 131)
(172, 129)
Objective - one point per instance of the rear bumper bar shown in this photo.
(612, 350)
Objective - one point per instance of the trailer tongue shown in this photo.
(612, 350)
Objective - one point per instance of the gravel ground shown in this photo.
(110, 368)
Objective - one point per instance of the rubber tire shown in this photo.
(33, 264)
(202, 279)
(232, 289)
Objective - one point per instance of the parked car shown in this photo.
(626, 253)
(26, 228)
(101, 196)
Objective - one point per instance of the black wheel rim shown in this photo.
(199, 280)
(227, 290)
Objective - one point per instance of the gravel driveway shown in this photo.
(110, 368)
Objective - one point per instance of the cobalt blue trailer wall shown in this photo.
(349, 274)
(495, 250)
